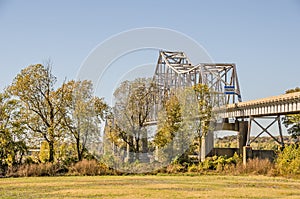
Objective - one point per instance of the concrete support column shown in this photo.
(247, 153)
(242, 135)
(207, 144)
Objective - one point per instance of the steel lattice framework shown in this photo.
(174, 70)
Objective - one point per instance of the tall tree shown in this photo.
(82, 113)
(12, 132)
(204, 110)
(204, 113)
(292, 121)
(186, 116)
(134, 101)
(171, 122)
(34, 87)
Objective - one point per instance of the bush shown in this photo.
(175, 168)
(89, 168)
(219, 163)
(84, 167)
(288, 161)
(43, 169)
(234, 166)
(193, 168)
(256, 166)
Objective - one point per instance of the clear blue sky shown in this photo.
(261, 37)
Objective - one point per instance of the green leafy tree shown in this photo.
(171, 122)
(12, 133)
(204, 112)
(169, 125)
(288, 161)
(292, 121)
(101, 109)
(82, 114)
(34, 87)
(186, 116)
(134, 101)
(44, 152)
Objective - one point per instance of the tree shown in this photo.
(82, 113)
(288, 160)
(44, 152)
(204, 113)
(185, 116)
(134, 101)
(204, 108)
(292, 121)
(170, 122)
(34, 87)
(11, 131)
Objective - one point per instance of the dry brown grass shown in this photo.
(88, 168)
(253, 166)
(210, 186)
(28, 170)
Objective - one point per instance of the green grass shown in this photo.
(209, 186)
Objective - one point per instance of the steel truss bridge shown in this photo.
(174, 70)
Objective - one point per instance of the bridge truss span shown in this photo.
(174, 70)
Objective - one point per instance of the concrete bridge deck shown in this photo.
(275, 105)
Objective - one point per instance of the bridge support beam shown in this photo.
(274, 120)
(247, 154)
(242, 134)
(207, 144)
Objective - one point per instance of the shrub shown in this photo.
(89, 168)
(219, 163)
(288, 161)
(258, 166)
(43, 169)
(254, 166)
(175, 168)
(193, 168)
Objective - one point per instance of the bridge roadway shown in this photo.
(276, 105)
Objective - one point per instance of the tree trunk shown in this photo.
(145, 157)
(130, 150)
(51, 142)
(199, 148)
(79, 152)
(137, 151)
(51, 151)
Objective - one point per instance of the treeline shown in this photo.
(35, 112)
(50, 129)
(42, 122)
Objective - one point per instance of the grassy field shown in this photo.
(150, 187)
